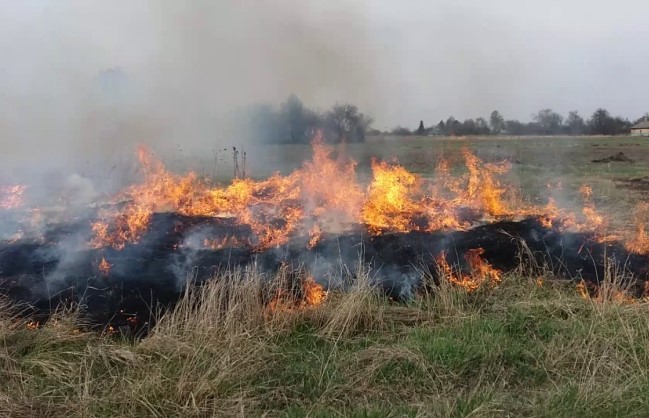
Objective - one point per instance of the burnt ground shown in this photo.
(152, 273)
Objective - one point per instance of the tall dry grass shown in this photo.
(224, 352)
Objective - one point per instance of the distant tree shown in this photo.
(468, 127)
(549, 122)
(575, 124)
(515, 127)
(441, 128)
(621, 126)
(497, 122)
(601, 123)
(421, 130)
(453, 126)
(298, 122)
(643, 118)
(482, 127)
(345, 123)
(401, 131)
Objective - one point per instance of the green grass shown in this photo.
(517, 350)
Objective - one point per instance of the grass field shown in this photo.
(526, 348)
(529, 347)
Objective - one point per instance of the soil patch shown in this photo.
(637, 183)
(619, 157)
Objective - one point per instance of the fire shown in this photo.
(12, 197)
(225, 242)
(481, 272)
(391, 203)
(595, 293)
(104, 267)
(593, 219)
(483, 186)
(639, 243)
(324, 196)
(313, 294)
(33, 325)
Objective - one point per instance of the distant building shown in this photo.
(640, 129)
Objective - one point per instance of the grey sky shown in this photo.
(189, 62)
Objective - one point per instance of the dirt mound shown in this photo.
(637, 183)
(619, 157)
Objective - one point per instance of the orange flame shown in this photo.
(481, 272)
(639, 243)
(313, 294)
(323, 196)
(12, 197)
(104, 267)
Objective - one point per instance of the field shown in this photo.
(531, 346)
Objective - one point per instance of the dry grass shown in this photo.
(524, 347)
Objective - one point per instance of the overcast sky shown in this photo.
(187, 62)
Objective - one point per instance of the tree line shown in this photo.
(544, 122)
(294, 123)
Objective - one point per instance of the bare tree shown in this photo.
(497, 122)
(345, 123)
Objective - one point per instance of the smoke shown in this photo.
(83, 83)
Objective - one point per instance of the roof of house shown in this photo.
(641, 125)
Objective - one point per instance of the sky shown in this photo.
(184, 67)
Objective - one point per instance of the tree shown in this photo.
(644, 118)
(575, 124)
(515, 127)
(601, 123)
(549, 122)
(298, 122)
(482, 127)
(401, 131)
(453, 126)
(421, 130)
(441, 128)
(468, 127)
(497, 122)
(345, 123)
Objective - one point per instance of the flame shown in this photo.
(582, 290)
(313, 294)
(324, 196)
(12, 197)
(104, 267)
(592, 292)
(228, 241)
(639, 243)
(33, 325)
(391, 203)
(481, 272)
(483, 186)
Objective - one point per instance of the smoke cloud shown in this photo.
(81, 83)
(86, 81)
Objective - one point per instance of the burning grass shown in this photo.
(491, 329)
(523, 347)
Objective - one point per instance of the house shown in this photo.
(640, 129)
